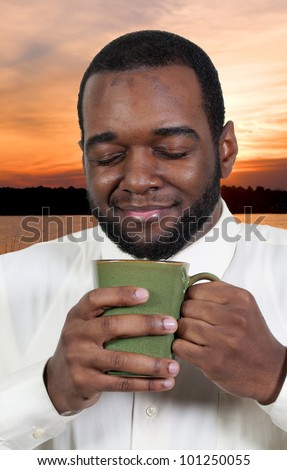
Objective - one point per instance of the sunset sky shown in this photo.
(47, 45)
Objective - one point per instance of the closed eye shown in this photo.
(109, 160)
(171, 155)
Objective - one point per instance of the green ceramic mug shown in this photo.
(166, 281)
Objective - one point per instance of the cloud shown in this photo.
(262, 164)
(46, 46)
(268, 172)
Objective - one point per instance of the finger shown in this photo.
(95, 302)
(133, 363)
(190, 352)
(210, 312)
(212, 362)
(109, 327)
(217, 291)
(86, 387)
(137, 384)
(195, 331)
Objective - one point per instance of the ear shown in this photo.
(227, 149)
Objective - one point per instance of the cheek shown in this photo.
(100, 185)
(190, 176)
(193, 178)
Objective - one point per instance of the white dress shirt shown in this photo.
(40, 284)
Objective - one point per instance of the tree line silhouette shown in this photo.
(73, 201)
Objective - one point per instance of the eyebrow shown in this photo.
(178, 130)
(109, 136)
(100, 139)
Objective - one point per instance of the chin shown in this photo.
(154, 250)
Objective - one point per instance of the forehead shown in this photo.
(147, 91)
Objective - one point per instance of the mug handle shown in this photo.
(202, 277)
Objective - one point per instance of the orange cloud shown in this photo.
(268, 172)
(46, 46)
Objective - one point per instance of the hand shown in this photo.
(223, 333)
(75, 375)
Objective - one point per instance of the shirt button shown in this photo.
(150, 411)
(38, 433)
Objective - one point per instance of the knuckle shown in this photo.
(125, 385)
(185, 307)
(78, 381)
(182, 327)
(117, 361)
(73, 311)
(67, 337)
(150, 386)
(246, 297)
(70, 359)
(189, 292)
(91, 296)
(176, 346)
(232, 345)
(125, 295)
(108, 322)
(157, 366)
(180, 349)
(151, 322)
(241, 321)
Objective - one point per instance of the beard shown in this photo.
(175, 234)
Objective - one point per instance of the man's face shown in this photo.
(151, 167)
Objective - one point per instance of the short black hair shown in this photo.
(154, 48)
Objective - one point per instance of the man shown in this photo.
(154, 148)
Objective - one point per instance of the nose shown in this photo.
(140, 172)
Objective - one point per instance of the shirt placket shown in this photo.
(151, 422)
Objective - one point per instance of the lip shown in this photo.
(144, 213)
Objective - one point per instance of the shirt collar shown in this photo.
(214, 251)
(211, 253)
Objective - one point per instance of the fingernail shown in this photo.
(141, 294)
(168, 383)
(173, 368)
(170, 323)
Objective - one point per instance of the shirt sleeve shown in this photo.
(27, 415)
(278, 410)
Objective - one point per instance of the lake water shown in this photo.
(18, 232)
